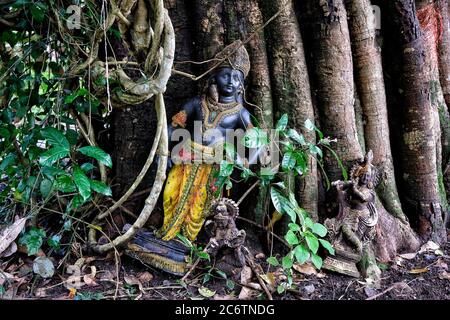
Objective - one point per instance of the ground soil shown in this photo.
(424, 277)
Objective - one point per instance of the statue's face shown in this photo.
(364, 180)
(228, 81)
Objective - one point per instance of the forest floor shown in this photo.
(416, 276)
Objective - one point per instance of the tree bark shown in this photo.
(371, 89)
(291, 87)
(420, 174)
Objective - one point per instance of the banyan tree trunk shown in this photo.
(371, 89)
(291, 88)
(443, 45)
(420, 176)
(244, 21)
(333, 81)
(334, 86)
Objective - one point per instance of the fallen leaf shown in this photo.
(5, 276)
(306, 268)
(246, 275)
(9, 234)
(9, 251)
(145, 277)
(444, 275)
(89, 279)
(429, 246)
(417, 271)
(370, 292)
(402, 287)
(72, 293)
(408, 256)
(441, 264)
(225, 297)
(247, 293)
(40, 292)
(439, 252)
(206, 292)
(133, 281)
(309, 289)
(260, 256)
(254, 285)
(44, 267)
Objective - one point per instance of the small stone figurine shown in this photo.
(225, 237)
(354, 227)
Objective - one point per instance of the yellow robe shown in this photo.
(187, 197)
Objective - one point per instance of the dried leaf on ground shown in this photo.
(133, 281)
(207, 293)
(9, 251)
(9, 234)
(442, 265)
(5, 276)
(246, 275)
(225, 297)
(305, 268)
(418, 271)
(408, 256)
(44, 267)
(145, 277)
(89, 279)
(429, 246)
(444, 275)
(260, 256)
(247, 294)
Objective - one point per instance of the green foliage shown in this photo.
(33, 240)
(304, 236)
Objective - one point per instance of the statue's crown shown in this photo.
(236, 57)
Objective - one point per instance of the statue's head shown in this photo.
(228, 78)
(229, 81)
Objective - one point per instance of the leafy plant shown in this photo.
(33, 240)
(304, 236)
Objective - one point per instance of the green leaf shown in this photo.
(65, 184)
(52, 155)
(327, 246)
(282, 123)
(287, 262)
(294, 227)
(38, 11)
(341, 165)
(312, 242)
(280, 289)
(255, 138)
(45, 187)
(51, 172)
(230, 284)
(297, 137)
(221, 273)
(273, 261)
(206, 278)
(204, 255)
(82, 183)
(185, 240)
(7, 161)
(54, 241)
(317, 261)
(277, 199)
(80, 92)
(301, 254)
(72, 136)
(313, 149)
(98, 154)
(288, 161)
(308, 223)
(55, 138)
(230, 152)
(100, 187)
(291, 238)
(226, 168)
(319, 229)
(309, 125)
(33, 240)
(75, 203)
(86, 167)
(206, 292)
